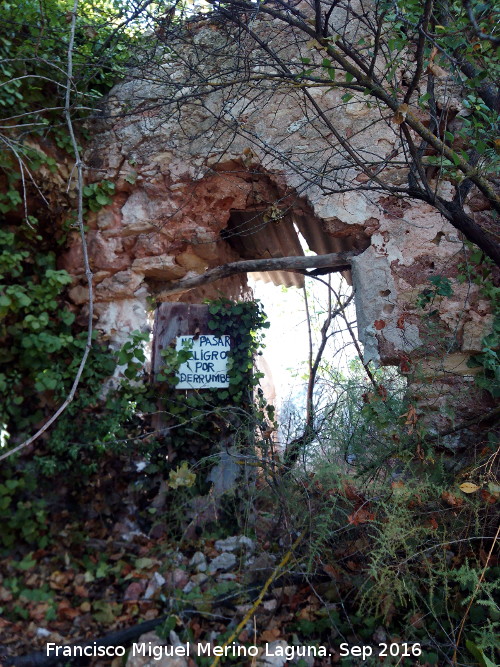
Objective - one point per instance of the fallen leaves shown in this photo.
(405, 364)
(469, 487)
(269, 636)
(361, 515)
(5, 594)
(411, 419)
(494, 489)
(488, 497)
(417, 620)
(66, 612)
(433, 523)
(451, 499)
(400, 115)
(38, 612)
(134, 591)
(59, 580)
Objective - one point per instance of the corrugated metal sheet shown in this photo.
(253, 238)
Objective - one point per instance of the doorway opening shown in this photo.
(313, 334)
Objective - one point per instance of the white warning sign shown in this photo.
(207, 366)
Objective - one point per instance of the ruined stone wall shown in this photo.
(181, 163)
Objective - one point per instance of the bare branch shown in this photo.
(88, 272)
(477, 28)
(336, 261)
(420, 51)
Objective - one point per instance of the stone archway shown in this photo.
(183, 200)
(157, 231)
(152, 235)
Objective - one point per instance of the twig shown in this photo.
(352, 335)
(118, 638)
(88, 272)
(477, 28)
(260, 597)
(310, 384)
(336, 261)
(473, 596)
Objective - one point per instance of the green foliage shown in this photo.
(172, 360)
(35, 332)
(441, 286)
(41, 349)
(24, 518)
(97, 423)
(132, 355)
(200, 417)
(37, 35)
(99, 194)
(242, 321)
(479, 270)
(457, 42)
(478, 653)
(41, 345)
(489, 361)
(404, 546)
(33, 60)
(34, 42)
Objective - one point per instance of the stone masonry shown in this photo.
(181, 170)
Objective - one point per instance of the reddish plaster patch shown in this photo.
(417, 273)
(341, 230)
(394, 207)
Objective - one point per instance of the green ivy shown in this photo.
(23, 517)
(479, 270)
(97, 195)
(36, 338)
(193, 424)
(242, 321)
(117, 421)
(441, 286)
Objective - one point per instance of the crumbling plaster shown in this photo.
(179, 175)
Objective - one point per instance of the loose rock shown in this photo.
(224, 562)
(236, 543)
(272, 660)
(177, 578)
(199, 562)
(154, 646)
(154, 585)
(196, 580)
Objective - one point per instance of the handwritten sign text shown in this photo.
(207, 366)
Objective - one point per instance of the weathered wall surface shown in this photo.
(182, 164)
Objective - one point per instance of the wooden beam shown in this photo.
(335, 261)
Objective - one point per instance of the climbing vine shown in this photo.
(40, 340)
(121, 420)
(480, 270)
(199, 419)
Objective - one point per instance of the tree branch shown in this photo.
(81, 227)
(336, 261)
(420, 51)
(347, 58)
(477, 28)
